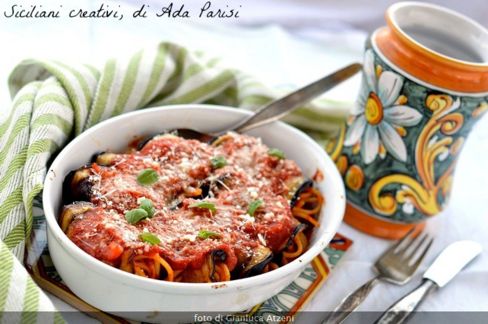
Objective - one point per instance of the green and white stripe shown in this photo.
(53, 102)
(20, 298)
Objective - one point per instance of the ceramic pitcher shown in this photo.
(425, 84)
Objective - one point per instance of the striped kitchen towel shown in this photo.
(54, 102)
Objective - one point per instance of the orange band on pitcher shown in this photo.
(427, 65)
(377, 227)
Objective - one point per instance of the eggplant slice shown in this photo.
(70, 211)
(77, 186)
(217, 256)
(298, 229)
(214, 185)
(187, 133)
(144, 141)
(307, 184)
(181, 132)
(104, 158)
(147, 139)
(207, 272)
(260, 258)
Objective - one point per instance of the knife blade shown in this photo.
(447, 264)
(452, 260)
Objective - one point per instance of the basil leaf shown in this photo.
(276, 153)
(254, 206)
(147, 205)
(149, 238)
(219, 162)
(204, 204)
(204, 234)
(135, 215)
(147, 177)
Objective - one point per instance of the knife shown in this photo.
(447, 264)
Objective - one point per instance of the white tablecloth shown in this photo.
(279, 59)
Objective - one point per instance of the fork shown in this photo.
(397, 265)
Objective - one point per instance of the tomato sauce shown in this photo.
(185, 169)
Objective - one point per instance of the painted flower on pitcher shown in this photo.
(380, 114)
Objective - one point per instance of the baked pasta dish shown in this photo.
(185, 210)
